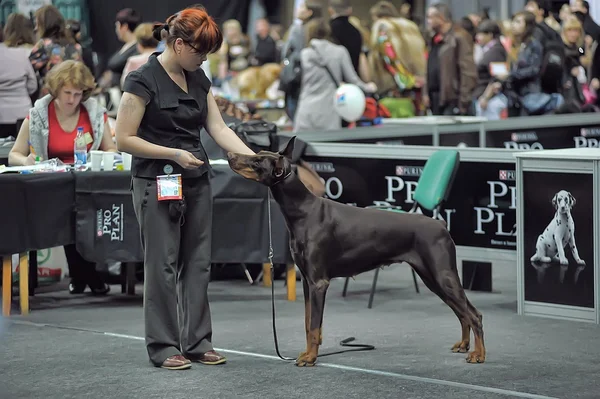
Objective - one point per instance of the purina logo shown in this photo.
(507, 175)
(110, 222)
(525, 136)
(590, 132)
(415, 171)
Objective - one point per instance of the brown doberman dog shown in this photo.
(329, 239)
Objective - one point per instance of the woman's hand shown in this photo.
(186, 160)
(30, 160)
(483, 103)
(371, 87)
(595, 84)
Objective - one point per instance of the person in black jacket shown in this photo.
(543, 32)
(166, 103)
(489, 104)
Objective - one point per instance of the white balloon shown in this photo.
(349, 102)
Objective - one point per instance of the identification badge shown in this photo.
(169, 187)
(88, 138)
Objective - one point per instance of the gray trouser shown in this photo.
(177, 252)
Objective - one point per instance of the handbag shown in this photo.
(258, 135)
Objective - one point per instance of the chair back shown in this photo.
(436, 180)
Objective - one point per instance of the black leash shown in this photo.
(344, 342)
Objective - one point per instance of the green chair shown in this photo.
(432, 191)
(7, 7)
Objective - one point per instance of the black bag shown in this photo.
(258, 135)
(553, 67)
(290, 77)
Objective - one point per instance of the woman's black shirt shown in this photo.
(173, 118)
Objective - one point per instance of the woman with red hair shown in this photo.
(165, 104)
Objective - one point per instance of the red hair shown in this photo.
(194, 26)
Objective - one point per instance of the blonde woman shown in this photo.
(49, 130)
(572, 35)
(234, 51)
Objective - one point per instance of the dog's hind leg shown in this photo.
(317, 295)
(452, 293)
(463, 345)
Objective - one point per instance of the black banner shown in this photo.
(106, 225)
(559, 206)
(459, 139)
(480, 212)
(545, 138)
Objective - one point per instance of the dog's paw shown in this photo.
(461, 347)
(564, 261)
(305, 360)
(475, 357)
(546, 259)
(580, 262)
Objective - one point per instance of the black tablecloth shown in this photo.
(36, 211)
(94, 210)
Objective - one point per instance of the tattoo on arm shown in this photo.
(128, 107)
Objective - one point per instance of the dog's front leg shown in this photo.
(560, 248)
(574, 250)
(306, 289)
(313, 338)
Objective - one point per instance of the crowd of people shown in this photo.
(538, 62)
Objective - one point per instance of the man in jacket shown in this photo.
(451, 71)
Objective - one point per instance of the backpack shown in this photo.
(290, 77)
(553, 63)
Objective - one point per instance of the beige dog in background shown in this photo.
(253, 82)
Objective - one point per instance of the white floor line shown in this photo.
(377, 372)
(406, 377)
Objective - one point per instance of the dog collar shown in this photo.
(284, 178)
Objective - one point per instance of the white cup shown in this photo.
(126, 161)
(109, 160)
(96, 160)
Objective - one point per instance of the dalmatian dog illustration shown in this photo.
(551, 243)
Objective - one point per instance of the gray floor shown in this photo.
(527, 357)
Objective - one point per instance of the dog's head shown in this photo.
(266, 167)
(563, 201)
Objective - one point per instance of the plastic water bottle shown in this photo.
(80, 149)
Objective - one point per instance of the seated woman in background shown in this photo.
(146, 45)
(50, 131)
(317, 92)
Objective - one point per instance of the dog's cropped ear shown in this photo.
(555, 201)
(571, 200)
(279, 167)
(289, 148)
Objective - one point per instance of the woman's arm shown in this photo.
(19, 155)
(129, 116)
(107, 143)
(218, 130)
(349, 74)
(32, 83)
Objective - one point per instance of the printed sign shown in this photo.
(481, 208)
(545, 138)
(558, 238)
